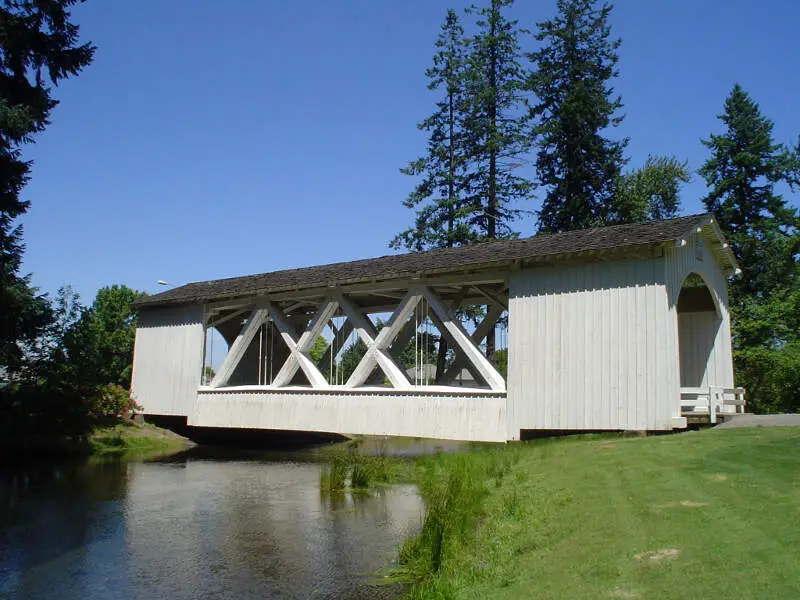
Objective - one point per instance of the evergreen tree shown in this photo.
(574, 104)
(650, 192)
(498, 129)
(497, 123)
(438, 198)
(38, 46)
(744, 166)
(477, 137)
(763, 229)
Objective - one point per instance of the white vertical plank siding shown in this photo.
(586, 343)
(596, 346)
(168, 360)
(692, 329)
(698, 363)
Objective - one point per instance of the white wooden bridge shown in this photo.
(613, 328)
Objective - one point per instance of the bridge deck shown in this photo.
(440, 412)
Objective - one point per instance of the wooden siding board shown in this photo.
(651, 392)
(599, 333)
(621, 373)
(603, 412)
(168, 359)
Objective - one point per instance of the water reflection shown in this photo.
(256, 527)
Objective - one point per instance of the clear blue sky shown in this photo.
(214, 139)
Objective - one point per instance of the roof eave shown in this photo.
(724, 247)
(503, 266)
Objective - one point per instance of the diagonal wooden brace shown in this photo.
(397, 346)
(300, 345)
(480, 333)
(257, 318)
(377, 343)
(462, 340)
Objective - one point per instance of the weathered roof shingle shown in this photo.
(421, 263)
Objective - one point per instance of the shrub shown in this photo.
(112, 401)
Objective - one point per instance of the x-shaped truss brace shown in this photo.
(378, 343)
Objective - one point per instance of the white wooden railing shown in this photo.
(712, 401)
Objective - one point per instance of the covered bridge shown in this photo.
(614, 328)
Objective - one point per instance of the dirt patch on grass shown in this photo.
(661, 555)
(620, 593)
(718, 477)
(684, 504)
(606, 445)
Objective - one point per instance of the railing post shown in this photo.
(712, 409)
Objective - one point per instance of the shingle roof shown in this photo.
(420, 263)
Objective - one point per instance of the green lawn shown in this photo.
(711, 514)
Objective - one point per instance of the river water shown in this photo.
(194, 526)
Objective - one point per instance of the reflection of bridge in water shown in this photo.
(600, 337)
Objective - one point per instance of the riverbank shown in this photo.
(117, 438)
(692, 515)
(131, 438)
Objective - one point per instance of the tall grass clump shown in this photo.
(349, 469)
(333, 477)
(359, 477)
(454, 489)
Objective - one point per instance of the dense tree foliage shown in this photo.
(575, 104)
(79, 368)
(39, 47)
(317, 351)
(742, 171)
(650, 192)
(98, 348)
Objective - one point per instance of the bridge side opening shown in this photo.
(703, 395)
(417, 337)
(699, 321)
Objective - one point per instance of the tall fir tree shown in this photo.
(744, 166)
(438, 198)
(478, 136)
(764, 232)
(39, 47)
(575, 103)
(497, 122)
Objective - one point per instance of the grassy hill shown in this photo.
(710, 514)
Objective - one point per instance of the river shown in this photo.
(200, 524)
